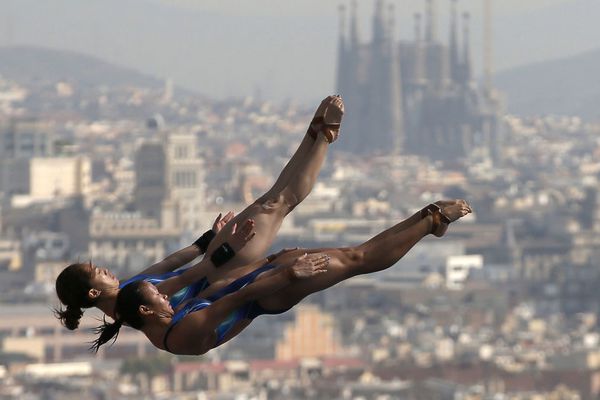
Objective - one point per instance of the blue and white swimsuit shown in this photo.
(250, 310)
(185, 294)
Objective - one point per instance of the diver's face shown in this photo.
(156, 302)
(101, 278)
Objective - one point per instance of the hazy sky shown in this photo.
(282, 49)
(308, 8)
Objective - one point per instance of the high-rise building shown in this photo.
(21, 140)
(26, 139)
(170, 181)
(168, 200)
(416, 96)
(185, 180)
(150, 178)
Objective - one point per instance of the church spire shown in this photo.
(391, 25)
(454, 59)
(418, 28)
(379, 23)
(342, 52)
(466, 48)
(342, 11)
(431, 22)
(354, 39)
(419, 57)
(395, 85)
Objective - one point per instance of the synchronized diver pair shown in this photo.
(193, 310)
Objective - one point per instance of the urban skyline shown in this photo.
(152, 37)
(123, 172)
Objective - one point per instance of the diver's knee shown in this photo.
(290, 199)
(271, 202)
(286, 201)
(355, 256)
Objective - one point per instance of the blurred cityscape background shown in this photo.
(127, 126)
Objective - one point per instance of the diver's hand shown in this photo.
(220, 222)
(309, 265)
(273, 257)
(241, 236)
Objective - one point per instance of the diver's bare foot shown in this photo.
(447, 214)
(327, 119)
(446, 203)
(444, 212)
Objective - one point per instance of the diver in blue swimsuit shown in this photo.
(180, 297)
(269, 286)
(249, 310)
(85, 285)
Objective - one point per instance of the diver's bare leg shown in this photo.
(300, 156)
(413, 219)
(351, 261)
(294, 184)
(375, 255)
(270, 209)
(292, 165)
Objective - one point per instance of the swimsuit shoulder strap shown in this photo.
(167, 336)
(191, 306)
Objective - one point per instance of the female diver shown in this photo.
(270, 286)
(85, 285)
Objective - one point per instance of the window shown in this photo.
(181, 152)
(184, 179)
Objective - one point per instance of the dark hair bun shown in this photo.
(69, 317)
(72, 287)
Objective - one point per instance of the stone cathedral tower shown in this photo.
(414, 96)
(368, 79)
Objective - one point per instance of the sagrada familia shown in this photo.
(415, 97)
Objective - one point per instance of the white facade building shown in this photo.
(458, 268)
(56, 177)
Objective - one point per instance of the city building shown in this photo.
(11, 255)
(150, 178)
(26, 138)
(417, 96)
(169, 182)
(34, 331)
(313, 334)
(458, 269)
(21, 140)
(129, 240)
(57, 177)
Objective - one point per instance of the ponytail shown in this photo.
(126, 310)
(69, 316)
(72, 287)
(107, 331)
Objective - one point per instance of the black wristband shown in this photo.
(203, 241)
(222, 254)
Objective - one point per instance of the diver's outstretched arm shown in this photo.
(173, 261)
(188, 254)
(238, 240)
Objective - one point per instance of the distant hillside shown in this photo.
(568, 86)
(24, 64)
